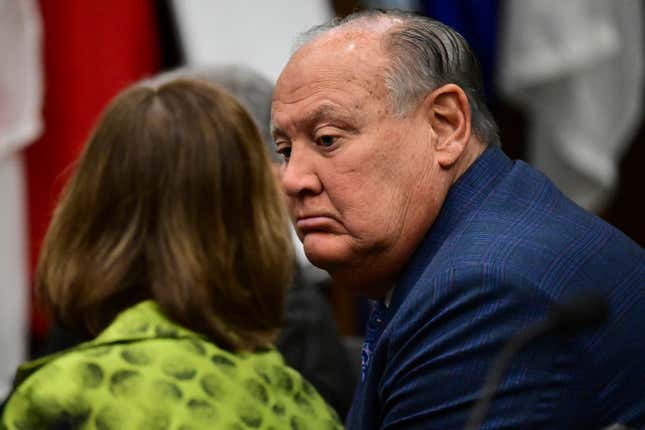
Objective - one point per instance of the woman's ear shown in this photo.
(448, 113)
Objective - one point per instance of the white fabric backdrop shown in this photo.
(259, 34)
(577, 67)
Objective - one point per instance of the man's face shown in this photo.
(363, 184)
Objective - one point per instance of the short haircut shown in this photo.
(173, 200)
(424, 55)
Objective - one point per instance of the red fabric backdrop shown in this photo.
(92, 50)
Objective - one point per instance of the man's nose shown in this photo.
(299, 177)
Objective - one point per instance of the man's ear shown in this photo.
(448, 113)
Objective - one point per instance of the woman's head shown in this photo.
(172, 199)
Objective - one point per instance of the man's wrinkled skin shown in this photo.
(364, 182)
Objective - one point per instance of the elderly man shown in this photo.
(399, 190)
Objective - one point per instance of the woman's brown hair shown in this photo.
(173, 200)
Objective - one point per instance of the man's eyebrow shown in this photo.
(321, 113)
(327, 111)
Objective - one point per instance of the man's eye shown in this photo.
(326, 141)
(285, 152)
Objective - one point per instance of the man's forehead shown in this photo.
(345, 67)
(348, 60)
(336, 93)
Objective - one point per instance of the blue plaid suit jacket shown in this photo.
(505, 247)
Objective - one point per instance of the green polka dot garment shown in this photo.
(146, 373)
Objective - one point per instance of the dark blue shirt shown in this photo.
(505, 247)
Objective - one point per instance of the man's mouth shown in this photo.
(314, 223)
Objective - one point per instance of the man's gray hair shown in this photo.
(252, 89)
(424, 55)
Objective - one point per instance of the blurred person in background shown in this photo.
(171, 250)
(400, 191)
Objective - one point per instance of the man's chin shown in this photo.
(350, 266)
(326, 261)
(328, 252)
(348, 270)
(320, 243)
